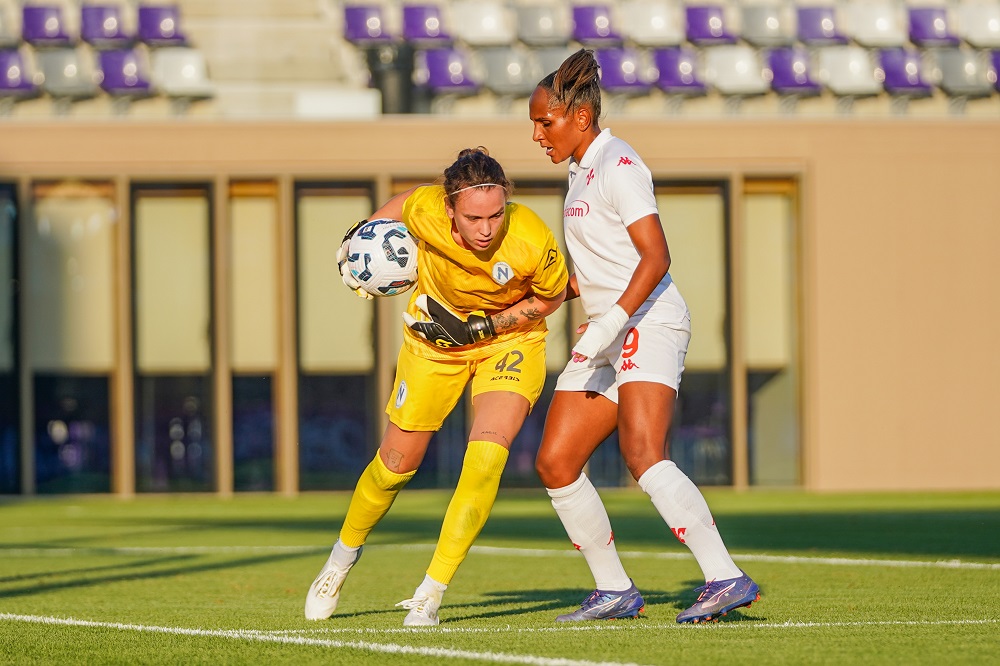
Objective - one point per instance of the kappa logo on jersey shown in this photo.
(578, 208)
(624, 160)
(629, 364)
(550, 258)
(401, 394)
(502, 272)
(590, 176)
(679, 532)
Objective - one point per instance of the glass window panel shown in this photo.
(174, 440)
(254, 282)
(694, 220)
(173, 287)
(335, 325)
(769, 285)
(10, 402)
(253, 434)
(72, 434)
(70, 277)
(336, 427)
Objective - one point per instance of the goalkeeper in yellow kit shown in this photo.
(489, 271)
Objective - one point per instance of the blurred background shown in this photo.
(175, 179)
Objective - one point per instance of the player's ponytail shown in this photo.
(577, 83)
(474, 168)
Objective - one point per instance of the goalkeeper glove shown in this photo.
(447, 329)
(600, 333)
(345, 270)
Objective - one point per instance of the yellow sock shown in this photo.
(374, 494)
(469, 507)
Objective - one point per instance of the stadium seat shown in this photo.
(621, 71)
(545, 24)
(735, 72)
(445, 74)
(848, 72)
(43, 26)
(790, 75)
(550, 57)
(423, 25)
(652, 23)
(766, 25)
(592, 26)
(963, 75)
(123, 77)
(509, 72)
(10, 37)
(902, 76)
(677, 75)
(160, 25)
(929, 27)
(819, 26)
(877, 24)
(16, 83)
(483, 23)
(69, 76)
(364, 25)
(180, 73)
(995, 58)
(979, 24)
(101, 26)
(706, 25)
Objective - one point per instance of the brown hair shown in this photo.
(575, 84)
(474, 167)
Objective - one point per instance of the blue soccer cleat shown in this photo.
(718, 597)
(605, 605)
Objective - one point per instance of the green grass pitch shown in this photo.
(846, 578)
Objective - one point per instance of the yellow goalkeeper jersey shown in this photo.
(523, 260)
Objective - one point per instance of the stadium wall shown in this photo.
(900, 229)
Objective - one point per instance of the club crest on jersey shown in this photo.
(502, 272)
(578, 208)
(590, 176)
(401, 394)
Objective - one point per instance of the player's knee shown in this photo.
(552, 471)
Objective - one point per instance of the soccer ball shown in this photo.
(382, 256)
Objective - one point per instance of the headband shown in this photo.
(472, 187)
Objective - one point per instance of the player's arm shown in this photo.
(526, 312)
(572, 288)
(393, 208)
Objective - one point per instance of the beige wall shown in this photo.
(901, 227)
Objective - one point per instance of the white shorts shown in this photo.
(644, 352)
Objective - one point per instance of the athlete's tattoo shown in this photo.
(395, 460)
(532, 314)
(495, 434)
(503, 322)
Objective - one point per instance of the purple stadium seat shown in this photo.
(706, 25)
(123, 76)
(592, 26)
(424, 26)
(818, 26)
(620, 71)
(790, 75)
(364, 25)
(15, 81)
(902, 71)
(447, 71)
(678, 75)
(995, 58)
(42, 26)
(929, 27)
(160, 25)
(101, 26)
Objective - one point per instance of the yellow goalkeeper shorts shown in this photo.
(425, 391)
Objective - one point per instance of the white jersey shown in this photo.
(609, 189)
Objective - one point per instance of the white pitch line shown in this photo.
(253, 635)
(494, 550)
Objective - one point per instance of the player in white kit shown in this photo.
(626, 367)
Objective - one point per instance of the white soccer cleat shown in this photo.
(324, 593)
(423, 608)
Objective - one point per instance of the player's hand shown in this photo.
(447, 329)
(345, 270)
(600, 333)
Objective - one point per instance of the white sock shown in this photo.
(685, 511)
(343, 556)
(431, 585)
(582, 513)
